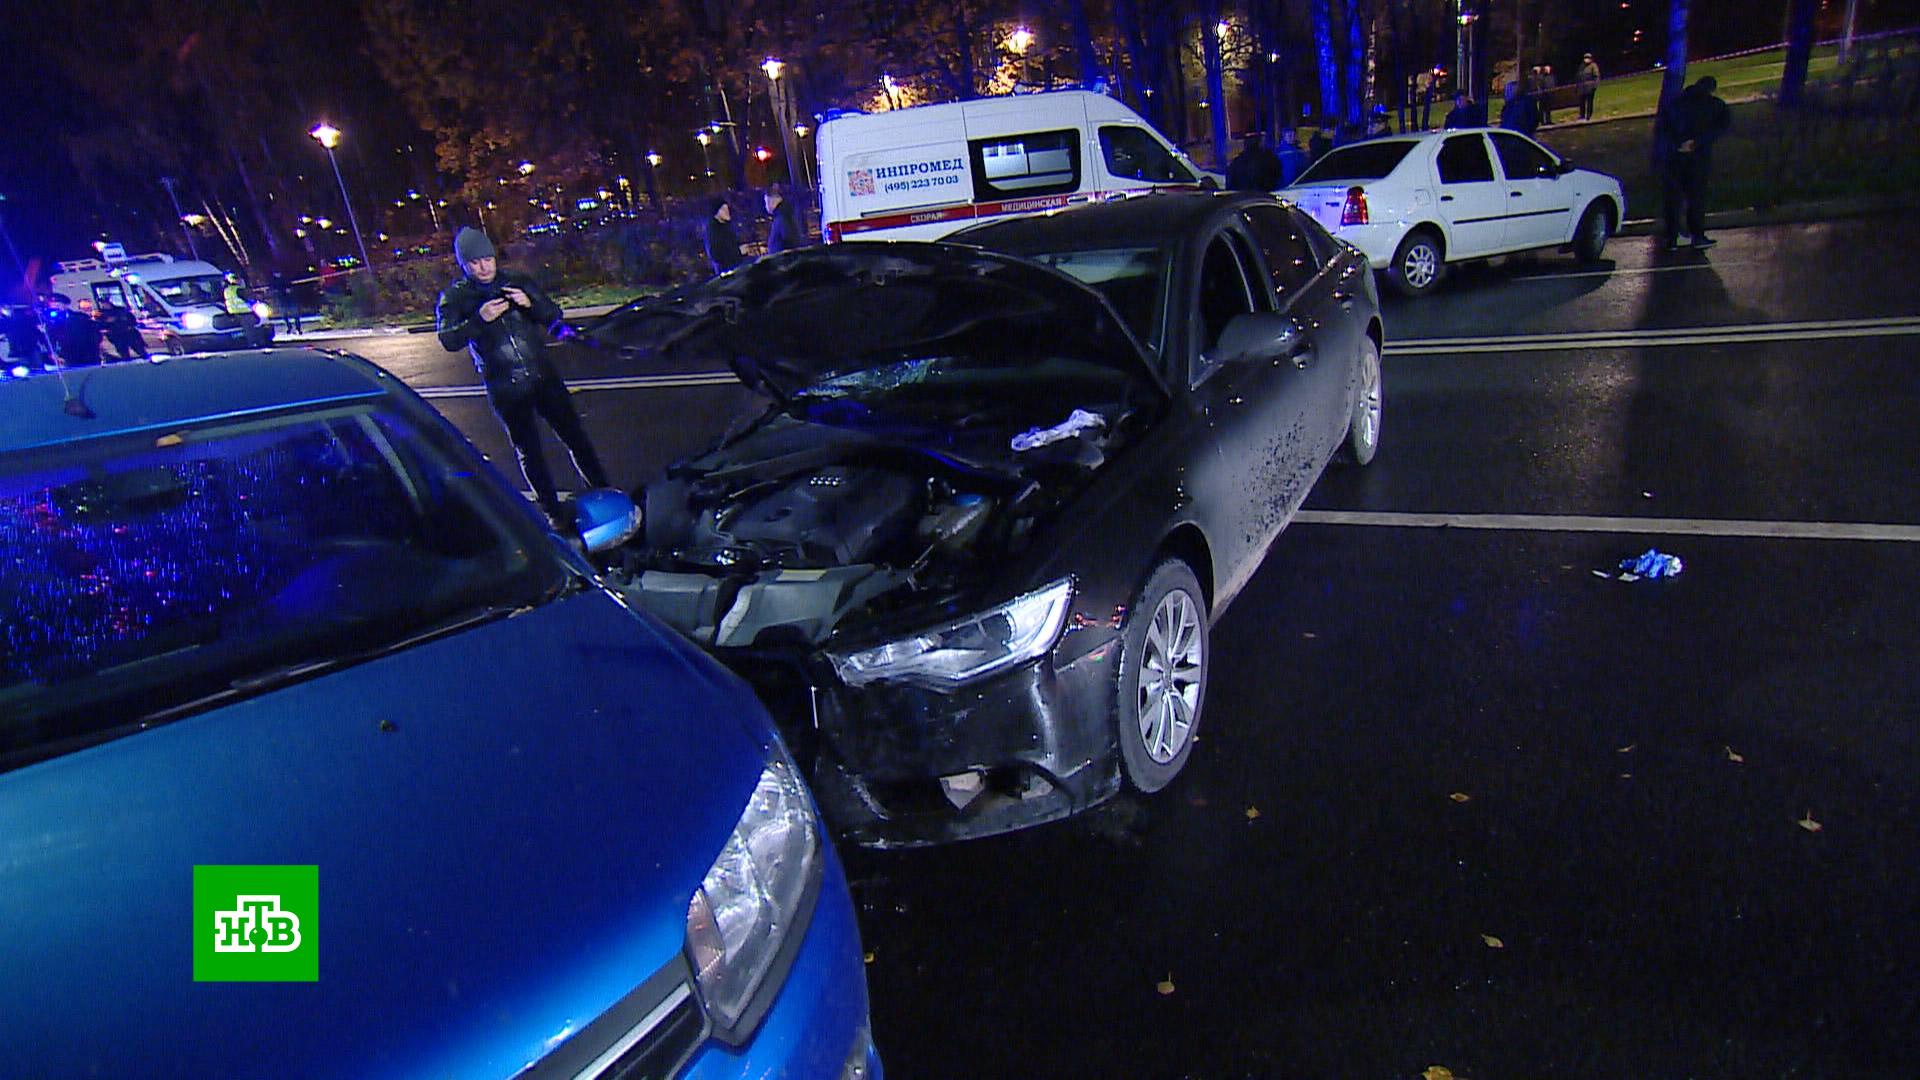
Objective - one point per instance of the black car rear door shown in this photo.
(1256, 412)
(1323, 301)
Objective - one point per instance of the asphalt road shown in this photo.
(1460, 801)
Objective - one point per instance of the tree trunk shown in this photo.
(1216, 85)
(1090, 69)
(1324, 60)
(1793, 81)
(1126, 19)
(1675, 79)
(1355, 54)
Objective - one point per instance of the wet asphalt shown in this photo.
(1458, 800)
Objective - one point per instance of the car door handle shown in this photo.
(1446, 198)
(1516, 194)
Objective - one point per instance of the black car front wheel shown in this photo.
(1163, 677)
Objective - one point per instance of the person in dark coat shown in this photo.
(1293, 160)
(1589, 85)
(122, 331)
(284, 301)
(1320, 145)
(1255, 168)
(723, 244)
(502, 318)
(75, 333)
(1519, 113)
(1684, 134)
(25, 347)
(785, 230)
(1466, 114)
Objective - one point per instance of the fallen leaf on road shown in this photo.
(1626, 776)
(1601, 574)
(1437, 1072)
(1165, 986)
(1308, 634)
(868, 958)
(1734, 757)
(1809, 824)
(1627, 749)
(1253, 813)
(1460, 796)
(1627, 576)
(1493, 942)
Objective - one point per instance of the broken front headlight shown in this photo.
(950, 656)
(756, 898)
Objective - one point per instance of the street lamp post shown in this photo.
(705, 139)
(329, 137)
(173, 193)
(781, 108)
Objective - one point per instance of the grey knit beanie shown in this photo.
(470, 244)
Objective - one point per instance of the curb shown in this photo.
(1789, 214)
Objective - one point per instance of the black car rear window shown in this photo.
(1361, 161)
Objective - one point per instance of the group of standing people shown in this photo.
(1257, 168)
(785, 230)
(1526, 103)
(37, 334)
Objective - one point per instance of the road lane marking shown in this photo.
(1898, 326)
(1622, 270)
(581, 386)
(1773, 530)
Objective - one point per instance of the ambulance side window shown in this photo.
(1134, 154)
(1015, 166)
(150, 305)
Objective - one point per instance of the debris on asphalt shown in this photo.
(1253, 814)
(1460, 796)
(1734, 757)
(1493, 942)
(1651, 564)
(1165, 986)
(868, 958)
(1809, 824)
(1437, 1072)
(1076, 422)
(1627, 749)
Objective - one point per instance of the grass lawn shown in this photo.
(1768, 159)
(1742, 78)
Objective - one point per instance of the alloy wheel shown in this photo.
(1170, 673)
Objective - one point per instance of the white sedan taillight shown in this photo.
(1355, 210)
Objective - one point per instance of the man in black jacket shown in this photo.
(723, 244)
(1684, 134)
(785, 231)
(1255, 168)
(502, 317)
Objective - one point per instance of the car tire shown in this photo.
(1163, 677)
(1596, 226)
(175, 347)
(1419, 263)
(1363, 427)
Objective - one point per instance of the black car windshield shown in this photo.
(1132, 279)
(190, 291)
(1361, 161)
(143, 575)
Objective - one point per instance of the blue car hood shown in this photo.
(508, 825)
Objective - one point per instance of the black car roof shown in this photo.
(1154, 220)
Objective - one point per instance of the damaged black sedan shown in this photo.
(970, 552)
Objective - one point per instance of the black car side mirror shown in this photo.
(1563, 167)
(1258, 335)
(1208, 183)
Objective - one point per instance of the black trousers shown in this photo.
(129, 346)
(1586, 105)
(548, 400)
(1685, 187)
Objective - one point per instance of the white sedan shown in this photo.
(1418, 202)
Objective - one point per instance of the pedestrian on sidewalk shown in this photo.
(123, 333)
(1254, 168)
(284, 300)
(785, 231)
(1589, 85)
(1544, 82)
(1519, 114)
(722, 242)
(1293, 160)
(1465, 114)
(502, 318)
(1684, 133)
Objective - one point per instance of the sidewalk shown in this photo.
(415, 328)
(1790, 214)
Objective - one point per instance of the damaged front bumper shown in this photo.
(895, 765)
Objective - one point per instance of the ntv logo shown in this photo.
(256, 924)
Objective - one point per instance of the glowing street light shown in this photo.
(762, 154)
(1223, 28)
(194, 221)
(801, 130)
(526, 168)
(773, 68)
(1020, 41)
(702, 137)
(654, 159)
(323, 223)
(329, 137)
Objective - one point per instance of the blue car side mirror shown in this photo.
(605, 518)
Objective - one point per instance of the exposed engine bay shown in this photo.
(778, 552)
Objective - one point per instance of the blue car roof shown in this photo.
(177, 392)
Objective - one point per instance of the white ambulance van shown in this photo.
(920, 173)
(179, 304)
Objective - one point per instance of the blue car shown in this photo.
(320, 755)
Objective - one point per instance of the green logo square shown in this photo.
(256, 924)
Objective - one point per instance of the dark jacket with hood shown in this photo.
(785, 232)
(1696, 116)
(510, 351)
(723, 246)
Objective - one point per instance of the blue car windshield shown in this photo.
(145, 576)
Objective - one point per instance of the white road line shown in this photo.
(1673, 331)
(1777, 530)
(1622, 270)
(580, 386)
(1632, 340)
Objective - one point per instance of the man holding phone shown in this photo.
(501, 318)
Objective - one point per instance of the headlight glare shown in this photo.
(971, 648)
(196, 320)
(751, 899)
(262, 309)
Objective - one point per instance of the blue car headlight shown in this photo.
(754, 899)
(950, 656)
